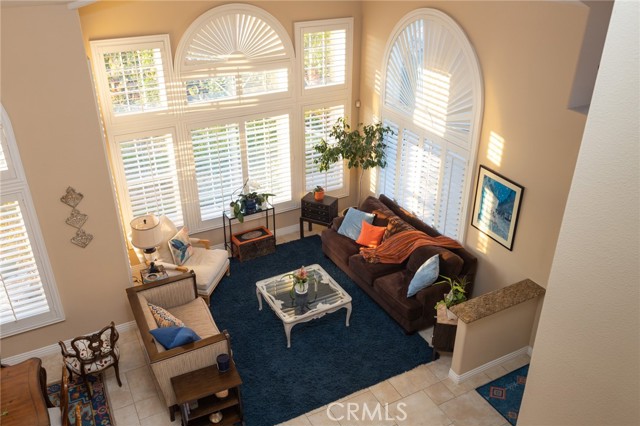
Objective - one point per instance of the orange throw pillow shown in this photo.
(370, 236)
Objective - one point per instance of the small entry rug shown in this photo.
(505, 393)
(326, 361)
(95, 411)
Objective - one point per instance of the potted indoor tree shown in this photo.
(456, 294)
(363, 149)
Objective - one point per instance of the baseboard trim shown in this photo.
(459, 378)
(55, 348)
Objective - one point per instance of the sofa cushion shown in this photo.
(172, 337)
(450, 264)
(395, 226)
(368, 272)
(163, 317)
(180, 246)
(196, 315)
(426, 275)
(408, 217)
(352, 223)
(393, 288)
(370, 236)
(209, 266)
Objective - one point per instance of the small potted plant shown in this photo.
(247, 203)
(456, 294)
(318, 193)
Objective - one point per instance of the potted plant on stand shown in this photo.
(318, 193)
(362, 149)
(456, 294)
(248, 202)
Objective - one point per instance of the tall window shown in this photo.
(185, 136)
(433, 103)
(28, 294)
(324, 63)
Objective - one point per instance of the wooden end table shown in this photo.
(444, 333)
(200, 386)
(318, 212)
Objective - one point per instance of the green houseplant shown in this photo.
(456, 294)
(363, 149)
(247, 202)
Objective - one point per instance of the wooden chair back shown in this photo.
(64, 397)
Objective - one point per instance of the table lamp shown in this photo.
(146, 234)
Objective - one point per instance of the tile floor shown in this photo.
(422, 396)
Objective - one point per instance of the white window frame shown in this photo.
(324, 96)
(16, 188)
(406, 119)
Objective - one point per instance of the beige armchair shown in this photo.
(179, 296)
(209, 265)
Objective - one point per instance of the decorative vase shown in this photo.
(301, 288)
(250, 206)
(318, 195)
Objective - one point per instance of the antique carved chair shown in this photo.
(59, 416)
(93, 353)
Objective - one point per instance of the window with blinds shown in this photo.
(151, 177)
(432, 101)
(185, 135)
(317, 125)
(28, 293)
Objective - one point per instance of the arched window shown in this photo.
(432, 100)
(28, 293)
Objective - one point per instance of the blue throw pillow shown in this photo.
(352, 223)
(172, 337)
(425, 275)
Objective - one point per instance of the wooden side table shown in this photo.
(318, 212)
(444, 333)
(200, 386)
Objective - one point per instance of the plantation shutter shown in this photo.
(268, 156)
(325, 59)
(22, 294)
(218, 167)
(151, 176)
(135, 81)
(429, 181)
(317, 125)
(410, 163)
(388, 174)
(452, 195)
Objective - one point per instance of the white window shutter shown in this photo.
(429, 181)
(23, 294)
(317, 125)
(218, 167)
(452, 195)
(268, 156)
(325, 61)
(151, 176)
(388, 174)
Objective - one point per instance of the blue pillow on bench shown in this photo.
(426, 275)
(172, 337)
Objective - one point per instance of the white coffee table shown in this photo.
(325, 296)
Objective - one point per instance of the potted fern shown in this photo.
(362, 149)
(456, 294)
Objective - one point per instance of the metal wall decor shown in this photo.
(77, 219)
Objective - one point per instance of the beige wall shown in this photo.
(528, 53)
(495, 336)
(47, 92)
(111, 19)
(585, 368)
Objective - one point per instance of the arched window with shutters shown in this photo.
(432, 99)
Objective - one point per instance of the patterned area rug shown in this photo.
(505, 393)
(95, 411)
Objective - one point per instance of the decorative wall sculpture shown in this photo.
(77, 219)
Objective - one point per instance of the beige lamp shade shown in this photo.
(146, 232)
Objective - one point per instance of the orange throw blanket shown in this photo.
(398, 247)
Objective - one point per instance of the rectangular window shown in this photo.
(218, 164)
(269, 156)
(150, 176)
(317, 125)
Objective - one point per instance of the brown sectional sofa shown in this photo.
(387, 284)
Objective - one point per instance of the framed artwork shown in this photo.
(496, 206)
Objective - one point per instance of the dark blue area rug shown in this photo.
(326, 361)
(505, 393)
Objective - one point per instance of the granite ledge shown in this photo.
(497, 300)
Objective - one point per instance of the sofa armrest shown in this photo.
(336, 222)
(450, 264)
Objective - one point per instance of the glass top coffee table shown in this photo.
(324, 296)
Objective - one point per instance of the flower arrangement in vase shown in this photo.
(300, 280)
